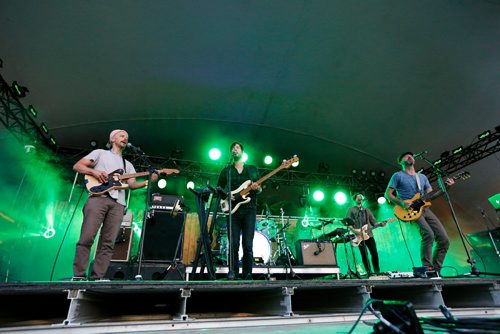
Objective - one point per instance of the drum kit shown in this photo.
(268, 234)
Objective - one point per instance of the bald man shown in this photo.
(104, 211)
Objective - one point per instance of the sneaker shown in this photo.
(78, 278)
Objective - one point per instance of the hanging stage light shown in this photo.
(340, 197)
(32, 111)
(44, 128)
(484, 135)
(268, 160)
(18, 90)
(318, 195)
(162, 183)
(457, 150)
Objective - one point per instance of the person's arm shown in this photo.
(134, 184)
(390, 194)
(84, 166)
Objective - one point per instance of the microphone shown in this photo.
(416, 155)
(135, 148)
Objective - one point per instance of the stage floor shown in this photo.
(149, 305)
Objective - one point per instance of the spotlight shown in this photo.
(363, 172)
(162, 183)
(32, 111)
(318, 195)
(457, 150)
(190, 185)
(18, 90)
(214, 154)
(354, 171)
(381, 173)
(244, 157)
(381, 200)
(437, 162)
(44, 128)
(93, 143)
(372, 173)
(340, 197)
(268, 160)
(52, 141)
(484, 135)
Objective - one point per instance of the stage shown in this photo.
(149, 305)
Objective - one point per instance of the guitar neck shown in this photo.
(265, 177)
(129, 176)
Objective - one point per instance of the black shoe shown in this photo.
(247, 277)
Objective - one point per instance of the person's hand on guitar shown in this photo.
(256, 187)
(100, 175)
(406, 203)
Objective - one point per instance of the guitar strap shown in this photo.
(418, 183)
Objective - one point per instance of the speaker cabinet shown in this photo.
(315, 252)
(123, 245)
(162, 235)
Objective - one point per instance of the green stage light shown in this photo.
(244, 157)
(340, 198)
(214, 154)
(381, 200)
(162, 183)
(44, 128)
(457, 150)
(32, 111)
(318, 195)
(190, 185)
(268, 160)
(484, 135)
(18, 90)
(52, 141)
(437, 162)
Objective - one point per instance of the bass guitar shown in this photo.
(418, 202)
(361, 234)
(240, 194)
(94, 187)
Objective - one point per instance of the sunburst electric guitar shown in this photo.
(419, 203)
(241, 194)
(94, 187)
(361, 232)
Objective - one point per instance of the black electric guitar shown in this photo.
(418, 203)
(241, 194)
(361, 232)
(94, 187)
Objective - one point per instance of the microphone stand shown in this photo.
(231, 275)
(440, 173)
(147, 213)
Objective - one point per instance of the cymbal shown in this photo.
(266, 222)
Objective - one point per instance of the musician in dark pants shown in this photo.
(243, 219)
(104, 211)
(402, 187)
(360, 216)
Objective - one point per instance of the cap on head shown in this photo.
(400, 157)
(113, 134)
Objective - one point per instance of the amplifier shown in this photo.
(315, 252)
(167, 202)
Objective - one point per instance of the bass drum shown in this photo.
(261, 247)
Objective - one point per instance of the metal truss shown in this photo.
(17, 119)
(482, 148)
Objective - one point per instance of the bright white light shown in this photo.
(162, 183)
(381, 200)
(340, 198)
(190, 185)
(214, 154)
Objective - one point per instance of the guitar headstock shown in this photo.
(169, 171)
(289, 162)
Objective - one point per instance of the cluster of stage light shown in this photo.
(340, 197)
(215, 154)
(19, 92)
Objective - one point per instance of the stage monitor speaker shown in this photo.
(315, 252)
(162, 234)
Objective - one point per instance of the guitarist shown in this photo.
(243, 220)
(361, 216)
(401, 188)
(105, 211)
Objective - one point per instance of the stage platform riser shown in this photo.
(89, 302)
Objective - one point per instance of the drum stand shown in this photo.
(350, 273)
(284, 251)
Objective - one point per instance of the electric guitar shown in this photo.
(418, 202)
(94, 187)
(241, 193)
(361, 232)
